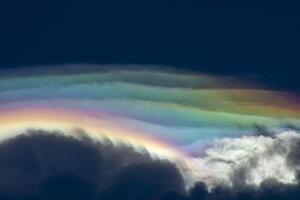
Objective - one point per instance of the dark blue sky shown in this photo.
(219, 37)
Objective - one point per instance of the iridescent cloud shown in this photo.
(173, 115)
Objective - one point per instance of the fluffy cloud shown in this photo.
(249, 160)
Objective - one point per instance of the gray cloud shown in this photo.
(41, 164)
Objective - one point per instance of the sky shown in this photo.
(232, 37)
(101, 99)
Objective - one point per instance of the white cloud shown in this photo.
(247, 160)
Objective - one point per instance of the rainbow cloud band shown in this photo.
(172, 115)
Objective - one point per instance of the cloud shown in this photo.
(249, 160)
(43, 165)
(47, 165)
(254, 167)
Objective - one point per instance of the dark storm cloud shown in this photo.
(39, 165)
(42, 165)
